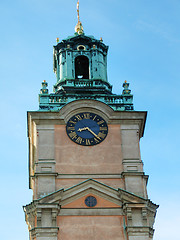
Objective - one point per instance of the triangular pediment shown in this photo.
(101, 201)
(81, 38)
(106, 195)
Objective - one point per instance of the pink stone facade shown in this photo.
(103, 158)
(91, 227)
(63, 174)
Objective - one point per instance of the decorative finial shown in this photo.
(78, 11)
(126, 90)
(101, 39)
(44, 89)
(57, 39)
(79, 27)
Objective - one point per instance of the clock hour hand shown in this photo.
(82, 129)
(87, 128)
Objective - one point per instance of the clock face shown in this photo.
(87, 129)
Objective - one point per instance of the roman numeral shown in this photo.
(103, 128)
(78, 117)
(101, 135)
(88, 142)
(96, 140)
(94, 117)
(71, 128)
(99, 123)
(72, 122)
(86, 116)
(73, 135)
(79, 140)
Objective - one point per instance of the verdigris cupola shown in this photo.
(80, 57)
(80, 65)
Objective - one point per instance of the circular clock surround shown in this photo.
(90, 201)
(87, 129)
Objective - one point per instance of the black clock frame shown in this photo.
(87, 129)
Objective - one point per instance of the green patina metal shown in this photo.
(80, 65)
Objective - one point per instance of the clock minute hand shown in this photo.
(93, 133)
(87, 128)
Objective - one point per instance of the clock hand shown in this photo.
(93, 133)
(82, 129)
(87, 128)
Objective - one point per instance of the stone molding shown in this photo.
(44, 232)
(140, 231)
(137, 118)
(35, 209)
(130, 206)
(91, 212)
(45, 174)
(98, 107)
(133, 174)
(87, 176)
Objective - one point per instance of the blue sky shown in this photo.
(144, 49)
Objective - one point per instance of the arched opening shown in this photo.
(82, 67)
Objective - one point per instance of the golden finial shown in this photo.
(125, 81)
(57, 40)
(101, 39)
(79, 27)
(78, 11)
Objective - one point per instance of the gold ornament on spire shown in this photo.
(78, 11)
(79, 27)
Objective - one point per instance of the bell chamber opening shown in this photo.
(82, 67)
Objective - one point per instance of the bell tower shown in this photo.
(85, 167)
(80, 57)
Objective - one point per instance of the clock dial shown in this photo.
(87, 129)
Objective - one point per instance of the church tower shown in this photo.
(85, 167)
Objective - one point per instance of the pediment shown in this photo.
(106, 196)
(81, 39)
(128, 197)
(102, 201)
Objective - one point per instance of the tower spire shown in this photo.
(79, 27)
(78, 11)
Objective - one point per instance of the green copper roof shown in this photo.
(80, 65)
(90, 90)
(76, 34)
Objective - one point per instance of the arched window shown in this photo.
(82, 67)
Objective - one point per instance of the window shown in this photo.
(90, 201)
(82, 67)
(81, 48)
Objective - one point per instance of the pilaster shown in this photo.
(135, 180)
(44, 169)
(44, 233)
(140, 220)
(41, 219)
